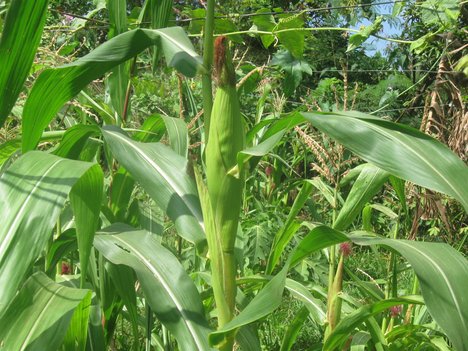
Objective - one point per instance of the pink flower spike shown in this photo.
(346, 248)
(395, 311)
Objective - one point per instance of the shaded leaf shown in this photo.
(168, 289)
(85, 199)
(32, 193)
(38, 317)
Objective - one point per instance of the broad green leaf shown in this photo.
(38, 317)
(248, 339)
(385, 210)
(399, 187)
(255, 151)
(290, 336)
(401, 150)
(117, 82)
(315, 307)
(96, 340)
(7, 149)
(318, 238)
(58, 85)
(397, 8)
(352, 175)
(326, 191)
(77, 333)
(441, 13)
(18, 44)
(160, 12)
(293, 40)
(360, 340)
(264, 303)
(347, 325)
(74, 140)
(64, 244)
(32, 193)
(441, 270)
(178, 135)
(151, 219)
(121, 190)
(85, 199)
(369, 182)
(443, 275)
(167, 288)
(162, 173)
(265, 22)
(294, 69)
(152, 130)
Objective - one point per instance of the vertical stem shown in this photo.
(149, 326)
(391, 274)
(334, 281)
(208, 50)
(165, 338)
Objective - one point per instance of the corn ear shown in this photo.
(225, 140)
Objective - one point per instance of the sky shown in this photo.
(373, 44)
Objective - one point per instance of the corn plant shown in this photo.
(73, 209)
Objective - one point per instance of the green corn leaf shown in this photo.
(167, 287)
(326, 191)
(264, 303)
(117, 82)
(178, 135)
(398, 149)
(39, 316)
(152, 130)
(318, 238)
(442, 272)
(348, 324)
(369, 182)
(293, 330)
(96, 339)
(77, 333)
(443, 275)
(20, 38)
(162, 173)
(32, 193)
(64, 244)
(85, 199)
(248, 339)
(121, 191)
(315, 307)
(159, 12)
(58, 85)
(74, 140)
(259, 150)
(123, 278)
(9, 148)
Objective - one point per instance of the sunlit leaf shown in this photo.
(398, 149)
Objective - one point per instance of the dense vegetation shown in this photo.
(193, 175)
